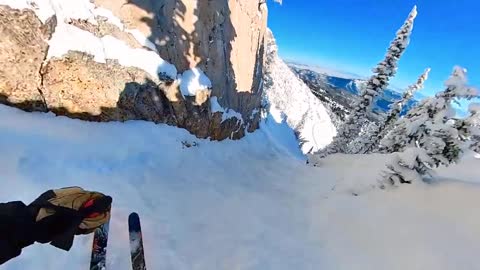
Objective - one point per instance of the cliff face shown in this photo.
(117, 60)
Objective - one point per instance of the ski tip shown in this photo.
(133, 215)
(134, 222)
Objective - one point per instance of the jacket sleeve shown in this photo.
(16, 229)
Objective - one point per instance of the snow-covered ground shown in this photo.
(248, 204)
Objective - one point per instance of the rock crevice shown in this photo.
(47, 29)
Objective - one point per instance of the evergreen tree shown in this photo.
(409, 166)
(432, 136)
(375, 86)
(444, 146)
(365, 137)
(469, 128)
(373, 139)
(476, 144)
(416, 125)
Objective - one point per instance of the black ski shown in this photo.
(136, 242)
(99, 248)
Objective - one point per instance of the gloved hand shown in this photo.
(63, 213)
(56, 217)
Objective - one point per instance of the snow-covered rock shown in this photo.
(84, 44)
(226, 113)
(193, 80)
(222, 38)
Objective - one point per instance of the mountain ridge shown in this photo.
(342, 91)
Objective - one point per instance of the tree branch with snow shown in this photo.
(375, 86)
(432, 130)
(373, 141)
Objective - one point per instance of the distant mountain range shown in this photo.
(325, 70)
(342, 92)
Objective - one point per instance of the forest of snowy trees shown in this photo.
(428, 136)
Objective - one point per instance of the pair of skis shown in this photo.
(100, 239)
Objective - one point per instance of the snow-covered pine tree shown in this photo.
(372, 142)
(476, 144)
(432, 137)
(408, 167)
(414, 127)
(469, 128)
(385, 70)
(364, 138)
(444, 146)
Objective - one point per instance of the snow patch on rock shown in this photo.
(70, 38)
(42, 14)
(140, 37)
(193, 80)
(111, 18)
(226, 113)
(215, 106)
(64, 10)
(140, 58)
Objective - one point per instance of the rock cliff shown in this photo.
(194, 64)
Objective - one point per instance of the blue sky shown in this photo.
(353, 35)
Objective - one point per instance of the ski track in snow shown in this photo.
(248, 204)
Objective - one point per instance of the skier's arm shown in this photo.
(55, 217)
(16, 226)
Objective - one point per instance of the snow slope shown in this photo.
(288, 95)
(249, 204)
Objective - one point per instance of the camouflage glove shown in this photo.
(63, 213)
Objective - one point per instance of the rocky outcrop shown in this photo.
(225, 39)
(22, 51)
(111, 92)
(99, 86)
